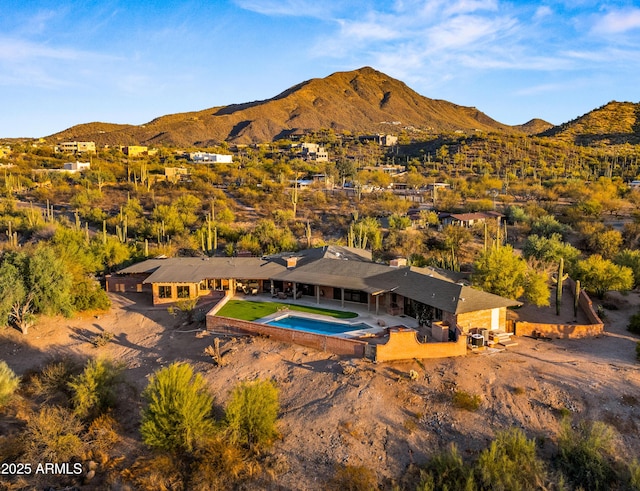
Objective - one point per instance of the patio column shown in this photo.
(377, 304)
(295, 287)
(272, 287)
(342, 297)
(317, 294)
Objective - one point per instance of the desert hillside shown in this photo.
(363, 100)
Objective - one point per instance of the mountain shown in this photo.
(363, 100)
(533, 127)
(613, 123)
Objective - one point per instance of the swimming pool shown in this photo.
(317, 326)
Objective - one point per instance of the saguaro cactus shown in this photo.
(558, 281)
(576, 299)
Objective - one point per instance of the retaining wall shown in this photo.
(332, 344)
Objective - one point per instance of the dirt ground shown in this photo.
(376, 416)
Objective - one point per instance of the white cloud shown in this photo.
(293, 8)
(618, 21)
(542, 12)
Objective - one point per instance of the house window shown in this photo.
(164, 291)
(183, 291)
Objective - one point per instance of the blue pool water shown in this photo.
(316, 326)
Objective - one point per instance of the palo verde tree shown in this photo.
(252, 412)
(499, 271)
(178, 409)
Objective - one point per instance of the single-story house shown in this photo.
(337, 273)
(469, 219)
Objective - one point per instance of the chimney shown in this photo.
(398, 262)
(292, 262)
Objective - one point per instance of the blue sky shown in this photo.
(128, 61)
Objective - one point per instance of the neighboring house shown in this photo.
(74, 167)
(135, 150)
(214, 158)
(76, 147)
(381, 139)
(313, 151)
(337, 273)
(634, 184)
(469, 219)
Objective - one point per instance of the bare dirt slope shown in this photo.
(376, 416)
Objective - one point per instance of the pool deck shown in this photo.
(378, 322)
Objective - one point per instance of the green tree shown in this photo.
(600, 275)
(501, 272)
(93, 391)
(12, 289)
(549, 249)
(536, 288)
(252, 412)
(631, 259)
(50, 282)
(547, 225)
(606, 243)
(178, 409)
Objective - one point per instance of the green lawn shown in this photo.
(250, 311)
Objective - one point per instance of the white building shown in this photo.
(313, 151)
(76, 166)
(215, 158)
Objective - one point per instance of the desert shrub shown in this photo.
(93, 391)
(160, 473)
(53, 380)
(634, 324)
(634, 477)
(585, 453)
(53, 435)
(252, 412)
(464, 400)
(510, 463)
(354, 478)
(447, 470)
(102, 433)
(219, 464)
(178, 409)
(9, 382)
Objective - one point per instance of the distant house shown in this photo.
(135, 150)
(214, 158)
(381, 139)
(314, 152)
(469, 219)
(326, 273)
(76, 166)
(76, 147)
(634, 184)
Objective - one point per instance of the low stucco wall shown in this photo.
(558, 331)
(332, 344)
(403, 344)
(566, 331)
